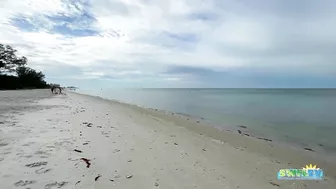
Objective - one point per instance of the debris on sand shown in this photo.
(129, 176)
(87, 161)
(88, 124)
(111, 180)
(79, 151)
(275, 184)
(245, 134)
(77, 182)
(85, 143)
(175, 143)
(156, 184)
(265, 139)
(204, 149)
(97, 177)
(242, 126)
(309, 149)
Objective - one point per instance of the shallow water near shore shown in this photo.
(303, 117)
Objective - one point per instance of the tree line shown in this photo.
(15, 74)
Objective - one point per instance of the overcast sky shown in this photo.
(175, 43)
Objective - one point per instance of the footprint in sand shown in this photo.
(55, 185)
(27, 156)
(37, 164)
(3, 144)
(42, 170)
(24, 183)
(28, 144)
(63, 143)
(5, 153)
(42, 153)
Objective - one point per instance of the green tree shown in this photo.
(29, 77)
(26, 77)
(8, 59)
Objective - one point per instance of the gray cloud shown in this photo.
(145, 38)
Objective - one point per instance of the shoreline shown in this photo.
(83, 141)
(254, 144)
(241, 130)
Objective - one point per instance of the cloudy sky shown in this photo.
(175, 43)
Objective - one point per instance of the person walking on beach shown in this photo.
(52, 89)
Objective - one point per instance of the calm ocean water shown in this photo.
(303, 117)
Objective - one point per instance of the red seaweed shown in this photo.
(87, 161)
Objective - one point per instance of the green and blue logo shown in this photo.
(309, 172)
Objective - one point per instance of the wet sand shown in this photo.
(79, 141)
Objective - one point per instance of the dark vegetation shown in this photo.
(14, 73)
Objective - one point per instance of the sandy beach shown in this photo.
(80, 141)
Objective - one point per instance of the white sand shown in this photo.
(157, 150)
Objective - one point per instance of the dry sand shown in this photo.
(131, 147)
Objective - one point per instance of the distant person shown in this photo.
(52, 89)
